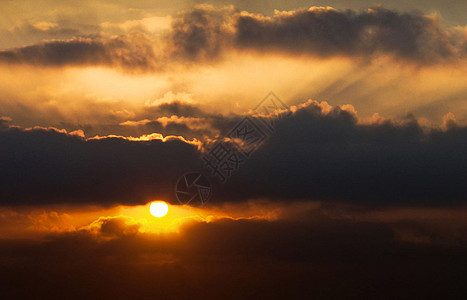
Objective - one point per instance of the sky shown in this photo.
(321, 145)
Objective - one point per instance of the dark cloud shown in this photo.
(26, 33)
(316, 155)
(201, 33)
(313, 154)
(129, 52)
(206, 32)
(4, 122)
(176, 108)
(176, 118)
(117, 226)
(314, 255)
(168, 118)
(317, 31)
(326, 32)
(216, 122)
(46, 166)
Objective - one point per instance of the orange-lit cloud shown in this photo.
(297, 240)
(435, 225)
(205, 33)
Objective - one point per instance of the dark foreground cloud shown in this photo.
(319, 153)
(47, 166)
(309, 255)
(133, 52)
(332, 156)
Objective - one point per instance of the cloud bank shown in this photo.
(206, 33)
(318, 153)
(127, 52)
(48, 166)
(322, 251)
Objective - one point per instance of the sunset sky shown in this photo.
(353, 184)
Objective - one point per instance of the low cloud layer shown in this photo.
(323, 251)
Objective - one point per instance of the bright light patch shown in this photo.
(158, 209)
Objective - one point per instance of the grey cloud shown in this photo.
(318, 31)
(4, 122)
(312, 155)
(147, 121)
(330, 32)
(201, 33)
(45, 166)
(177, 108)
(27, 33)
(129, 52)
(205, 33)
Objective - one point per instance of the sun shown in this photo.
(158, 209)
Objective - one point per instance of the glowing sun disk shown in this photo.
(158, 209)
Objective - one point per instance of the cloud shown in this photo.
(114, 226)
(449, 121)
(149, 25)
(174, 107)
(320, 152)
(48, 166)
(133, 52)
(26, 33)
(311, 251)
(326, 31)
(189, 119)
(206, 32)
(332, 204)
(4, 122)
(201, 33)
(171, 98)
(331, 156)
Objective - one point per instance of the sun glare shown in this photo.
(158, 209)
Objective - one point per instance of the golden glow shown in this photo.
(37, 221)
(101, 95)
(158, 209)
